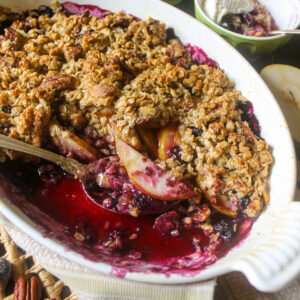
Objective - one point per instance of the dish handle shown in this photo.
(275, 261)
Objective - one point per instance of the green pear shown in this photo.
(284, 82)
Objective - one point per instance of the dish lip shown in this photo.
(238, 35)
(25, 224)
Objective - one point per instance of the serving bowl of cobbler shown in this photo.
(247, 24)
(194, 164)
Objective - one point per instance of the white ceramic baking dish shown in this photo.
(270, 256)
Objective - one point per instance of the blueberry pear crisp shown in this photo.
(181, 171)
(257, 22)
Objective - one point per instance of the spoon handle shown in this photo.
(69, 165)
(290, 31)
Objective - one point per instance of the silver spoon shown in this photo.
(87, 175)
(287, 31)
(69, 165)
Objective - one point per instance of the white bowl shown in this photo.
(270, 256)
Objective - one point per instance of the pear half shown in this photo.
(284, 82)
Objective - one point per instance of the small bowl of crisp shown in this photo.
(247, 24)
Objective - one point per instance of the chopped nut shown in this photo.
(133, 236)
(57, 82)
(103, 181)
(135, 255)
(79, 237)
(196, 242)
(72, 52)
(101, 90)
(187, 220)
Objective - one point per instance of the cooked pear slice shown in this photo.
(68, 142)
(149, 137)
(284, 82)
(149, 177)
(221, 203)
(226, 206)
(167, 138)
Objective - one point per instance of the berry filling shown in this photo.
(153, 238)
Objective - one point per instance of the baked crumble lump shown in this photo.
(106, 77)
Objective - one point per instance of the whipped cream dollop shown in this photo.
(217, 9)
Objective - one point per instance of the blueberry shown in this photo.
(229, 24)
(244, 201)
(175, 153)
(249, 116)
(170, 34)
(196, 131)
(7, 109)
(5, 270)
(45, 10)
(225, 228)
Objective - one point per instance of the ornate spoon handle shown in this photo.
(69, 165)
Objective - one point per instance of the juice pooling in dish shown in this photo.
(181, 167)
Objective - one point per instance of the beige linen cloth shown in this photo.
(89, 285)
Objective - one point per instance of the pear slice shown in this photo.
(284, 82)
(167, 138)
(222, 203)
(149, 137)
(226, 206)
(149, 177)
(68, 142)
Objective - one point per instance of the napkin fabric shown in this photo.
(90, 285)
(235, 286)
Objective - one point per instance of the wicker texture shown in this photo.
(23, 265)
